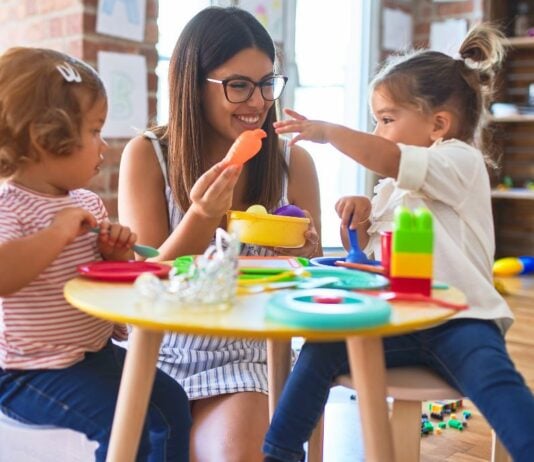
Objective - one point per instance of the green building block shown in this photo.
(412, 232)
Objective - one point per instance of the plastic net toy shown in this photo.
(209, 284)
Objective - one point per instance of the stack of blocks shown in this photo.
(411, 251)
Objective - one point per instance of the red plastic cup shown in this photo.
(385, 246)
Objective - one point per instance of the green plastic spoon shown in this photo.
(143, 250)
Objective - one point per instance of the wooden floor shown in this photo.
(474, 443)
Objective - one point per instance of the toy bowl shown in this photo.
(268, 230)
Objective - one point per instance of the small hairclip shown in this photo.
(69, 73)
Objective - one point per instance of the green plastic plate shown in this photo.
(299, 308)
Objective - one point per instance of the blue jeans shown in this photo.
(470, 354)
(82, 397)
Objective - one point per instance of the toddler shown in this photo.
(429, 110)
(58, 365)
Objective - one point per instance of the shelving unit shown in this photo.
(513, 209)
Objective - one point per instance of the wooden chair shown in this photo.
(409, 387)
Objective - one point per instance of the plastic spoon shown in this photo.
(143, 250)
(355, 254)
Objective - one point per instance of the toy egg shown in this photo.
(268, 230)
(256, 208)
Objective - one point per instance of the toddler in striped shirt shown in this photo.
(58, 365)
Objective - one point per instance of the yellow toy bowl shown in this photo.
(268, 230)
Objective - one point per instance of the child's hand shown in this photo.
(311, 130)
(211, 195)
(311, 247)
(353, 210)
(115, 241)
(72, 222)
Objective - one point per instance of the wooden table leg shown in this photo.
(367, 365)
(134, 393)
(278, 366)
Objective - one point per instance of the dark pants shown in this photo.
(469, 354)
(82, 397)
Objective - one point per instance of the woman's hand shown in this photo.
(115, 241)
(310, 130)
(211, 195)
(311, 247)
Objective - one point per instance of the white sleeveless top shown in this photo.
(211, 366)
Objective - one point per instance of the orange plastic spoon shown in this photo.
(246, 146)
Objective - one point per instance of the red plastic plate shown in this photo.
(121, 271)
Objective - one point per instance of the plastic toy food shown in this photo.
(512, 266)
(246, 146)
(290, 211)
(256, 208)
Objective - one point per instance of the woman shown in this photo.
(174, 194)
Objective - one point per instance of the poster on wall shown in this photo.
(122, 18)
(269, 13)
(447, 36)
(124, 76)
(397, 29)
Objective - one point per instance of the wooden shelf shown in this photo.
(519, 118)
(515, 193)
(520, 42)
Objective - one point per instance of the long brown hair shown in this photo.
(210, 39)
(430, 80)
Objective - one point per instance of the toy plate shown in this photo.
(349, 279)
(121, 271)
(300, 309)
(331, 261)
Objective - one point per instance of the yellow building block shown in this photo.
(411, 265)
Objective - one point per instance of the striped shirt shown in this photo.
(210, 366)
(38, 328)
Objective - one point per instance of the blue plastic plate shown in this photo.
(298, 309)
(331, 261)
(349, 279)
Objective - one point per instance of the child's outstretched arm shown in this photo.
(373, 152)
(355, 213)
(23, 259)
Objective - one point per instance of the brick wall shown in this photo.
(70, 26)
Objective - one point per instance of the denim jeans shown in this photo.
(469, 353)
(82, 397)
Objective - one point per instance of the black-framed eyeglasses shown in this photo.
(239, 90)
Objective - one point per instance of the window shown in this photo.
(329, 69)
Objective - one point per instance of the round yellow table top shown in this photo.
(120, 302)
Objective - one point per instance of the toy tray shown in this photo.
(249, 267)
(300, 309)
(121, 271)
(349, 279)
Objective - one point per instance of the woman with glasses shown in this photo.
(222, 81)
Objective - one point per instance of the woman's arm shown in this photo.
(143, 205)
(303, 191)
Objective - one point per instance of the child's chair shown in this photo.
(409, 387)
(30, 443)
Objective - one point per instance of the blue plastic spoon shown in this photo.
(355, 254)
(143, 250)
